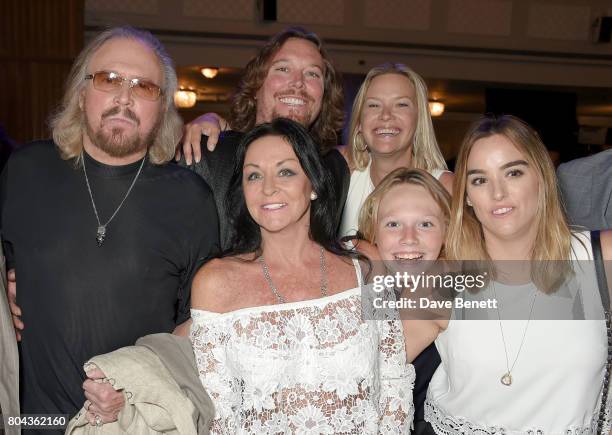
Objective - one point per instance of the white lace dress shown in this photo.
(310, 367)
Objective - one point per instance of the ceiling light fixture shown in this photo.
(436, 108)
(210, 72)
(185, 98)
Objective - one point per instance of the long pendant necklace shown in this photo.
(101, 230)
(279, 297)
(506, 378)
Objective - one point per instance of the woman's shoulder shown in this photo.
(446, 178)
(219, 267)
(216, 282)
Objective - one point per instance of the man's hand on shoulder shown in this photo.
(209, 124)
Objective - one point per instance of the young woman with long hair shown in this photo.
(520, 373)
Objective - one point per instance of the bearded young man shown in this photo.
(290, 77)
(105, 238)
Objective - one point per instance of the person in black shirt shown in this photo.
(290, 77)
(104, 236)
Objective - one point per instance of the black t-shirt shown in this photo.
(79, 299)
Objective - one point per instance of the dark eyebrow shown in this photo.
(286, 160)
(278, 164)
(504, 166)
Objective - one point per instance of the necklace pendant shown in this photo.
(506, 379)
(100, 235)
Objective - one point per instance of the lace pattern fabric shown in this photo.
(445, 424)
(607, 418)
(450, 425)
(306, 367)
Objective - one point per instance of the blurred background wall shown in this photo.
(548, 61)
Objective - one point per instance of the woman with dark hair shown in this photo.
(245, 235)
(280, 342)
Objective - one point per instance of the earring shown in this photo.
(363, 147)
(313, 196)
(469, 203)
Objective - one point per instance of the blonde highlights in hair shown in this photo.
(425, 150)
(368, 216)
(67, 124)
(465, 239)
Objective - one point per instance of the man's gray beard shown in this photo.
(116, 144)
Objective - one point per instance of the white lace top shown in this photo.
(360, 187)
(306, 367)
(557, 378)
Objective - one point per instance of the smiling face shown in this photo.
(503, 189)
(411, 225)
(294, 84)
(276, 188)
(120, 124)
(389, 114)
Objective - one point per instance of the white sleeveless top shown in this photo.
(306, 367)
(556, 381)
(360, 187)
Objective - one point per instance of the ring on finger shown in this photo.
(98, 421)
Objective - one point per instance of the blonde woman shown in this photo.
(390, 128)
(524, 376)
(405, 218)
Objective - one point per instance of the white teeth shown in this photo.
(292, 101)
(274, 206)
(409, 256)
(503, 210)
(388, 131)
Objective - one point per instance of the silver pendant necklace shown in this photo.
(506, 378)
(279, 297)
(101, 230)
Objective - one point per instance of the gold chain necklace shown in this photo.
(506, 378)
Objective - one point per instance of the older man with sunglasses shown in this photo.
(104, 236)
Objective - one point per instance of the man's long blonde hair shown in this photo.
(67, 124)
(425, 151)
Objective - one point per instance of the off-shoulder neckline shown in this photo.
(316, 302)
